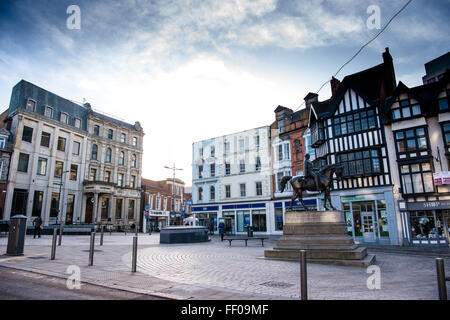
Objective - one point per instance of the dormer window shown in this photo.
(49, 112)
(31, 105)
(64, 118)
(78, 123)
(406, 110)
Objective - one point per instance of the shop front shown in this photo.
(157, 220)
(206, 216)
(280, 211)
(427, 222)
(239, 217)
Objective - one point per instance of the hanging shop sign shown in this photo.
(441, 178)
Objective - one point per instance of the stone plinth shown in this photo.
(323, 235)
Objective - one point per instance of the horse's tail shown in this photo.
(284, 181)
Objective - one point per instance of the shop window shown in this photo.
(423, 226)
(130, 209)
(54, 204)
(278, 219)
(243, 220)
(357, 219)
(119, 208)
(348, 218)
(383, 218)
(259, 221)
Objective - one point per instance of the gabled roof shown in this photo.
(366, 84)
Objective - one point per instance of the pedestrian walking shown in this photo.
(37, 223)
(221, 230)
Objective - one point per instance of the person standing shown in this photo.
(37, 223)
(221, 230)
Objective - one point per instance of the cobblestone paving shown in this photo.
(214, 270)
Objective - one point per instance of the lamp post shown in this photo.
(174, 169)
(60, 209)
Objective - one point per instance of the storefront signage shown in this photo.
(354, 198)
(441, 178)
(428, 205)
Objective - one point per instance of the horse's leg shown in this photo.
(301, 200)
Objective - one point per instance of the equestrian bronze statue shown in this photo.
(319, 181)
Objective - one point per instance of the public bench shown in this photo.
(230, 239)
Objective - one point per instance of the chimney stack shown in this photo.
(389, 81)
(310, 99)
(334, 85)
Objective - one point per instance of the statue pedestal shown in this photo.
(323, 235)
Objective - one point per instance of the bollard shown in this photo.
(134, 259)
(91, 249)
(60, 233)
(52, 257)
(442, 287)
(303, 276)
(101, 236)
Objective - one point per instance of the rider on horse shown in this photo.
(309, 171)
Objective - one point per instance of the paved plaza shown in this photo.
(214, 270)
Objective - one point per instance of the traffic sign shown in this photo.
(189, 202)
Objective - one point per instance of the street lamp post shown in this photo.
(174, 169)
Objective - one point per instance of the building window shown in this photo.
(287, 153)
(242, 167)
(122, 158)
(417, 178)
(96, 130)
(54, 205)
(133, 161)
(259, 188)
(258, 164)
(257, 142)
(45, 139)
(281, 126)
(227, 147)
(212, 192)
(280, 176)
(280, 152)
(42, 166)
(443, 103)
(59, 165)
(73, 172)
(2, 142)
(119, 203)
(200, 194)
(200, 153)
(93, 175)
(259, 220)
(134, 142)
(227, 169)
(76, 148)
(120, 179)
(278, 219)
(61, 144)
(64, 118)
(133, 182)
(411, 141)
(360, 163)
(23, 162)
(213, 151)
(27, 134)
(200, 172)
(227, 191)
(108, 155)
(31, 105)
(49, 112)
(446, 130)
(37, 203)
(107, 176)
(123, 138)
(94, 152)
(110, 134)
(130, 209)
(406, 110)
(241, 145)
(242, 188)
(213, 169)
(78, 123)
(354, 123)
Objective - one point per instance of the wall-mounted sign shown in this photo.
(428, 205)
(441, 178)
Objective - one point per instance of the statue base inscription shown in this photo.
(323, 235)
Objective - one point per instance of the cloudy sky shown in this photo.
(189, 70)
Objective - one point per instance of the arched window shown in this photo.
(200, 194)
(133, 161)
(94, 152)
(212, 193)
(122, 158)
(108, 155)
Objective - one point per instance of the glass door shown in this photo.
(368, 226)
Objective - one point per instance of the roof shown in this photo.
(116, 121)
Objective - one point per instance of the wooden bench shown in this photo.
(229, 239)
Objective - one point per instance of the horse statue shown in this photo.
(301, 183)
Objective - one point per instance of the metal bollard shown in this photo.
(91, 249)
(442, 287)
(60, 233)
(134, 259)
(101, 235)
(303, 276)
(53, 254)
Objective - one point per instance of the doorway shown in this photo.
(89, 210)
(368, 226)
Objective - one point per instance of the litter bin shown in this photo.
(16, 236)
(250, 231)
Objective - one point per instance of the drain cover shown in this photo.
(274, 284)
